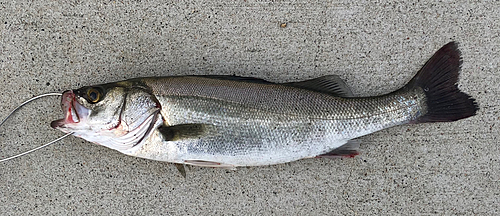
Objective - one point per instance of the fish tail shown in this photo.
(438, 79)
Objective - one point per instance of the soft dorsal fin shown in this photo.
(330, 84)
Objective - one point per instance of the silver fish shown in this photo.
(228, 121)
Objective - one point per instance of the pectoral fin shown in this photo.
(186, 131)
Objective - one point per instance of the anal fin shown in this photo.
(349, 150)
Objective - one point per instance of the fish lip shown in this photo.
(70, 108)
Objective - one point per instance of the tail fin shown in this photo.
(438, 78)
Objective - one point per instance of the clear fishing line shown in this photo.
(15, 110)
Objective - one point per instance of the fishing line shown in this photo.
(15, 110)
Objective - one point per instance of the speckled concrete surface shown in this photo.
(442, 168)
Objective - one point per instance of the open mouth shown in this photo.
(71, 110)
(68, 104)
(74, 114)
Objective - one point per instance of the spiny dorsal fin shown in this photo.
(330, 84)
(236, 78)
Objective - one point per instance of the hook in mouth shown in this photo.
(72, 110)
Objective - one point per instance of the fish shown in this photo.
(230, 121)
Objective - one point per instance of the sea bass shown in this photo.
(229, 121)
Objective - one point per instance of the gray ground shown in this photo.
(441, 168)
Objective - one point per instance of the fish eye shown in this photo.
(93, 95)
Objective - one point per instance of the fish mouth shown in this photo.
(73, 111)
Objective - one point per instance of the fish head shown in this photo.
(118, 115)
